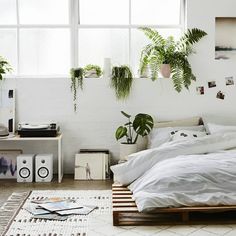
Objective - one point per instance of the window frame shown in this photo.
(74, 26)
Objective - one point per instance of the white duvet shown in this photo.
(180, 173)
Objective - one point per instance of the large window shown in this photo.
(47, 37)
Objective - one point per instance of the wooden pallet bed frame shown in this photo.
(125, 212)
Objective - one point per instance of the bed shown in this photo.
(180, 181)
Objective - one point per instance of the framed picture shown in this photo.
(91, 166)
(225, 43)
(7, 109)
(8, 164)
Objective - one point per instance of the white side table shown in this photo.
(57, 139)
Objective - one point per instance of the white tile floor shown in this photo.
(102, 225)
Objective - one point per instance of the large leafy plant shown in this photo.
(4, 67)
(168, 51)
(141, 125)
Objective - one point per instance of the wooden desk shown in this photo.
(57, 139)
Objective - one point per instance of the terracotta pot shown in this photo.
(127, 149)
(165, 70)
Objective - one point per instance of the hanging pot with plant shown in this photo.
(77, 76)
(121, 81)
(92, 71)
(170, 57)
(131, 130)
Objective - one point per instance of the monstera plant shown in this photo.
(170, 56)
(131, 130)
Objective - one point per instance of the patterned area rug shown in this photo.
(16, 221)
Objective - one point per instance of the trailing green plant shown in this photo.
(96, 68)
(77, 77)
(168, 51)
(140, 126)
(4, 67)
(121, 81)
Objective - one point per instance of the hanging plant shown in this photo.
(77, 79)
(170, 56)
(4, 68)
(121, 81)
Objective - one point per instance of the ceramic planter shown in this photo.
(127, 149)
(165, 70)
(91, 74)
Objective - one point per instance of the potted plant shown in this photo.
(4, 68)
(77, 76)
(140, 126)
(170, 56)
(121, 81)
(92, 71)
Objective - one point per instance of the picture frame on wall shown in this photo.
(8, 163)
(7, 109)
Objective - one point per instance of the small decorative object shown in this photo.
(3, 131)
(121, 81)
(225, 46)
(8, 163)
(77, 77)
(4, 68)
(141, 125)
(170, 56)
(229, 80)
(107, 68)
(7, 109)
(92, 71)
(211, 84)
(220, 95)
(200, 90)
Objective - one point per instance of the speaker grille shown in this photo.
(24, 172)
(43, 172)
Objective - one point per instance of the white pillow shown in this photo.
(186, 134)
(158, 136)
(215, 128)
(219, 120)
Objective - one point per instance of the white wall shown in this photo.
(98, 111)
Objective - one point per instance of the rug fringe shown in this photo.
(9, 209)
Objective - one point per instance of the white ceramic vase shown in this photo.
(127, 149)
(165, 70)
(107, 68)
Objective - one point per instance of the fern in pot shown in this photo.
(170, 56)
(92, 71)
(4, 68)
(141, 125)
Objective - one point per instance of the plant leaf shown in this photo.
(143, 124)
(125, 114)
(121, 132)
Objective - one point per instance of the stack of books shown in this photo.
(57, 209)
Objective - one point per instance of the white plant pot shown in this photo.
(127, 149)
(165, 70)
(91, 74)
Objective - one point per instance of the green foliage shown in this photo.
(4, 68)
(121, 81)
(168, 51)
(77, 77)
(93, 67)
(141, 125)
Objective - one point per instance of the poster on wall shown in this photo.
(225, 40)
(7, 109)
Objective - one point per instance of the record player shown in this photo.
(38, 130)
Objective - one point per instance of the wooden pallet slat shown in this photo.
(125, 212)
